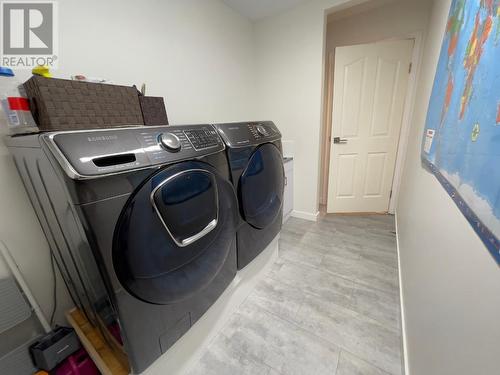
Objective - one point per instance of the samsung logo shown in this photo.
(102, 138)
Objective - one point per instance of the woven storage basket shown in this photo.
(153, 110)
(60, 104)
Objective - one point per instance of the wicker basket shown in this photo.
(60, 104)
(153, 110)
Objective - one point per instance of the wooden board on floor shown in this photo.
(107, 360)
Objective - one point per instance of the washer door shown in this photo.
(175, 233)
(261, 186)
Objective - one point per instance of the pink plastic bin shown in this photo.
(77, 364)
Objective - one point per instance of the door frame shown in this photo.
(417, 53)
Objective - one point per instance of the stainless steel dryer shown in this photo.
(142, 223)
(255, 156)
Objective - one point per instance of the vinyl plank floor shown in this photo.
(329, 305)
(351, 365)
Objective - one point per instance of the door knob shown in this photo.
(338, 140)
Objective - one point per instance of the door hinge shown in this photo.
(409, 68)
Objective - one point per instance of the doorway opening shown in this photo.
(372, 53)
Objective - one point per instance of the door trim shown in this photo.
(416, 58)
(409, 106)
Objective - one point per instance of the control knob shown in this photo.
(169, 142)
(261, 130)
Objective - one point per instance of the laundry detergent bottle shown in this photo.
(16, 114)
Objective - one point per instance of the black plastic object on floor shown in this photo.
(54, 348)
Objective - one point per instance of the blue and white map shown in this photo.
(461, 143)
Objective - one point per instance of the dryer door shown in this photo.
(175, 233)
(261, 186)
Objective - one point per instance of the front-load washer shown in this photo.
(256, 160)
(142, 223)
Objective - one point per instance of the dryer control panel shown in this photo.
(243, 134)
(98, 153)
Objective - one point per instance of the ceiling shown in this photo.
(363, 6)
(258, 9)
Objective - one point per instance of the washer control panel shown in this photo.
(248, 133)
(202, 139)
(262, 130)
(90, 154)
(163, 144)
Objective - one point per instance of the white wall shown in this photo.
(198, 54)
(290, 57)
(450, 283)
(289, 52)
(289, 79)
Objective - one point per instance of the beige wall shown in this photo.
(394, 19)
(198, 54)
(450, 283)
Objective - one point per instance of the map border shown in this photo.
(491, 242)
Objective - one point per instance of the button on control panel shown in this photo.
(202, 139)
(169, 142)
(161, 143)
(261, 130)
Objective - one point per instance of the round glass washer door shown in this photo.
(175, 233)
(261, 186)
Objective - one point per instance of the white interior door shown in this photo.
(369, 91)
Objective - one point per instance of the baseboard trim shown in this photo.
(305, 215)
(406, 368)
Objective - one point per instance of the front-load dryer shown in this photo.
(142, 223)
(256, 160)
